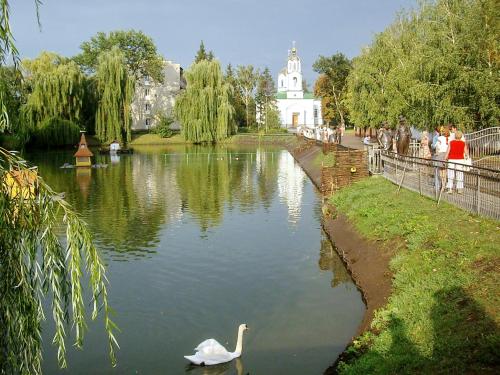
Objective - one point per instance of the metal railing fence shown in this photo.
(474, 189)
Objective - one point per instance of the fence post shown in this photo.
(478, 193)
(420, 179)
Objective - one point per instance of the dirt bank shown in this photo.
(367, 262)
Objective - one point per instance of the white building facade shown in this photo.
(153, 99)
(297, 109)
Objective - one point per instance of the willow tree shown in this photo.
(55, 87)
(115, 91)
(36, 263)
(204, 109)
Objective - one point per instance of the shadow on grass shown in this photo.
(465, 340)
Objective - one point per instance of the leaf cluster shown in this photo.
(204, 109)
(35, 263)
(436, 65)
(140, 54)
(115, 92)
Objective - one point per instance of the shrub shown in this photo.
(55, 131)
(163, 127)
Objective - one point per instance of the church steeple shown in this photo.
(290, 77)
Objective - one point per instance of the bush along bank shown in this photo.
(443, 313)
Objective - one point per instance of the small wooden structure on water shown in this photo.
(83, 154)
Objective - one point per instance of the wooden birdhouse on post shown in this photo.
(83, 154)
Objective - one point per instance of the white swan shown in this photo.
(210, 352)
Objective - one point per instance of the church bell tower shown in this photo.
(294, 75)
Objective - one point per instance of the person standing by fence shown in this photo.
(424, 151)
(456, 155)
(440, 157)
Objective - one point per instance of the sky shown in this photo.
(240, 32)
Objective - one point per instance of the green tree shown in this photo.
(54, 87)
(139, 50)
(115, 91)
(437, 64)
(204, 109)
(336, 68)
(12, 97)
(237, 100)
(246, 80)
(202, 54)
(35, 263)
(265, 99)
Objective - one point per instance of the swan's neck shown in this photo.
(239, 342)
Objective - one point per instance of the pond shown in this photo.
(198, 240)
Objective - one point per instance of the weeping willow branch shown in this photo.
(204, 109)
(57, 89)
(35, 263)
(115, 89)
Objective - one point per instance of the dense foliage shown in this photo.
(236, 98)
(436, 65)
(139, 50)
(55, 131)
(11, 97)
(115, 91)
(246, 80)
(202, 54)
(35, 263)
(331, 86)
(204, 109)
(55, 88)
(162, 127)
(265, 99)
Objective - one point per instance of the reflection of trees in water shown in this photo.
(128, 202)
(329, 260)
(211, 178)
(119, 214)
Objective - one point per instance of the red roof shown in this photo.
(83, 150)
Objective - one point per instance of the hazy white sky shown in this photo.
(257, 32)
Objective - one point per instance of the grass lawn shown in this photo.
(142, 139)
(443, 314)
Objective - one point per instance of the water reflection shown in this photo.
(231, 368)
(329, 260)
(211, 228)
(291, 185)
(129, 202)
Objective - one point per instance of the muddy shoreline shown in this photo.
(367, 262)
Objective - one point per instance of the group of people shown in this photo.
(448, 144)
(323, 133)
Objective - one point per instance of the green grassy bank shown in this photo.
(443, 313)
(144, 139)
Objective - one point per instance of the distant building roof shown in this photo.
(83, 149)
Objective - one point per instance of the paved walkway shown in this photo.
(351, 141)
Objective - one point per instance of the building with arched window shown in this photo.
(296, 107)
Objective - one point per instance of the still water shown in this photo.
(198, 240)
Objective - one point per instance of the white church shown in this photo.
(297, 109)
